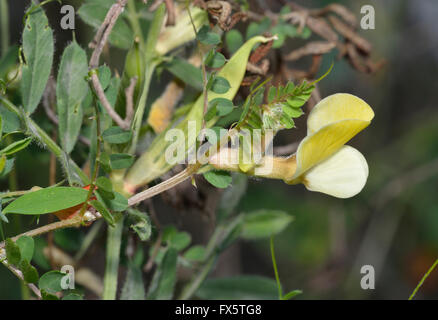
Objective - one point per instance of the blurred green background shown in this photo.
(392, 224)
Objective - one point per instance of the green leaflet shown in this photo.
(51, 281)
(38, 53)
(163, 284)
(27, 246)
(71, 89)
(219, 179)
(47, 200)
(133, 288)
(103, 211)
(16, 146)
(264, 223)
(152, 163)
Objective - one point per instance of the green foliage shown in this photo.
(175, 239)
(12, 252)
(218, 107)
(207, 37)
(116, 135)
(73, 296)
(195, 253)
(75, 102)
(15, 147)
(233, 40)
(220, 85)
(141, 224)
(292, 294)
(219, 179)
(38, 55)
(105, 162)
(71, 89)
(214, 59)
(238, 288)
(27, 246)
(104, 75)
(103, 211)
(121, 160)
(105, 187)
(185, 71)
(282, 107)
(133, 288)
(164, 280)
(50, 282)
(47, 200)
(118, 204)
(264, 223)
(48, 296)
(30, 274)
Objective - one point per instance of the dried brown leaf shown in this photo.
(347, 32)
(312, 48)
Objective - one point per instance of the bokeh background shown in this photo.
(392, 224)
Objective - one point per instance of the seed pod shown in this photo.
(152, 163)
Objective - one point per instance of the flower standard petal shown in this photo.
(337, 107)
(343, 175)
(317, 147)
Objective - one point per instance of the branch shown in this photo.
(102, 98)
(20, 276)
(73, 222)
(98, 44)
(104, 31)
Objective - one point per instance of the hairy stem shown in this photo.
(73, 222)
(39, 134)
(19, 275)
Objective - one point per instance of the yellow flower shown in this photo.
(322, 162)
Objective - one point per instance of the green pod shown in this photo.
(152, 163)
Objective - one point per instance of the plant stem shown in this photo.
(151, 61)
(19, 275)
(4, 20)
(141, 106)
(426, 275)
(96, 161)
(133, 20)
(44, 138)
(274, 264)
(73, 222)
(113, 244)
(163, 186)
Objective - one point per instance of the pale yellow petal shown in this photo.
(339, 106)
(325, 142)
(343, 175)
